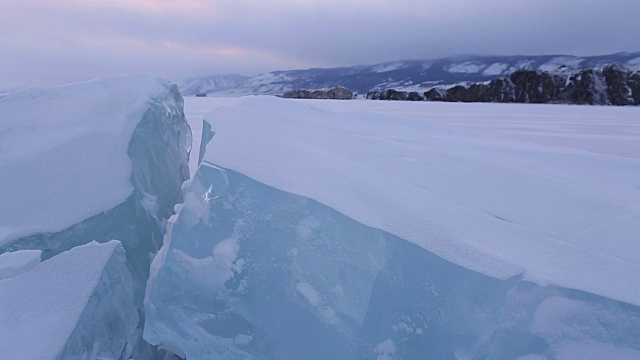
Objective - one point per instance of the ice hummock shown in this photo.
(250, 270)
(76, 305)
(64, 149)
(93, 161)
(17, 262)
(499, 205)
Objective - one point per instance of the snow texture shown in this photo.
(93, 161)
(17, 262)
(77, 305)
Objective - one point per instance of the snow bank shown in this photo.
(77, 305)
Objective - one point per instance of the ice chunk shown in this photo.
(339, 223)
(17, 262)
(244, 260)
(99, 160)
(533, 202)
(63, 149)
(76, 305)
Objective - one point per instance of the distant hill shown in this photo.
(611, 85)
(409, 75)
(215, 83)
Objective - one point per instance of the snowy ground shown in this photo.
(549, 191)
(599, 129)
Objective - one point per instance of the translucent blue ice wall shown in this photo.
(109, 317)
(251, 272)
(159, 151)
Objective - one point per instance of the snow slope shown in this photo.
(77, 305)
(64, 150)
(499, 205)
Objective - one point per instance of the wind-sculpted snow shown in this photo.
(93, 161)
(77, 305)
(64, 149)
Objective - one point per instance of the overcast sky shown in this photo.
(53, 41)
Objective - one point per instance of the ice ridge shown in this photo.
(248, 271)
(150, 129)
(77, 305)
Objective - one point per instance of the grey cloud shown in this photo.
(45, 43)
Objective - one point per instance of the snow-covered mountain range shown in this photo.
(409, 75)
(207, 83)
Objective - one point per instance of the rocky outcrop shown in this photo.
(612, 85)
(338, 92)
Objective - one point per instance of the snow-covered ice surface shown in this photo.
(64, 150)
(494, 204)
(194, 109)
(601, 130)
(77, 305)
(17, 262)
(93, 161)
(324, 229)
